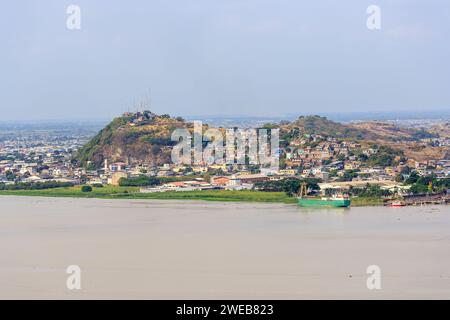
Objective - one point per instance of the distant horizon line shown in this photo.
(350, 115)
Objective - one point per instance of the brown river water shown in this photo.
(134, 249)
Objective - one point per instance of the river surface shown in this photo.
(136, 249)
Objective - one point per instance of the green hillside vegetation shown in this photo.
(133, 137)
(322, 126)
(91, 150)
(384, 157)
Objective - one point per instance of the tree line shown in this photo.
(35, 185)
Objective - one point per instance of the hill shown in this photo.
(413, 141)
(318, 125)
(132, 138)
(368, 131)
(380, 130)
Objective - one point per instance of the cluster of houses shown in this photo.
(233, 182)
(329, 159)
(39, 158)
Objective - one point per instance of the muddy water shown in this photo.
(188, 250)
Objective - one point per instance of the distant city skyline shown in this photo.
(249, 58)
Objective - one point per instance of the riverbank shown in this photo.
(116, 192)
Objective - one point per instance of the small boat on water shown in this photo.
(398, 203)
(339, 200)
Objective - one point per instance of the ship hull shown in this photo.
(304, 202)
(397, 205)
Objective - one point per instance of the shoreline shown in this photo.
(110, 192)
(250, 196)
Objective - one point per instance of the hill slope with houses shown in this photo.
(144, 137)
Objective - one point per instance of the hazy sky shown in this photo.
(209, 57)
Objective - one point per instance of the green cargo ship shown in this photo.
(335, 201)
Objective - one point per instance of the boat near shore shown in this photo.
(334, 201)
(398, 203)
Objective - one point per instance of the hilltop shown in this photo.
(368, 130)
(132, 137)
(380, 130)
(318, 125)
